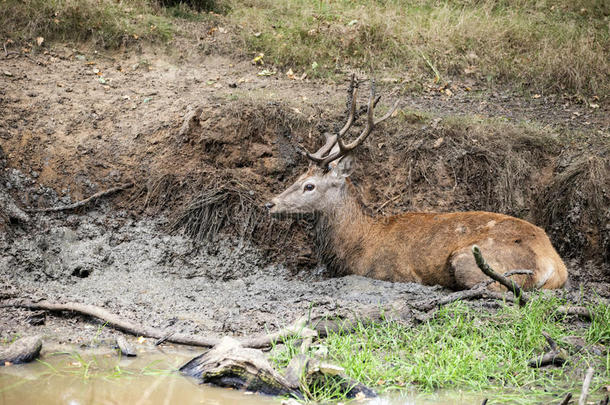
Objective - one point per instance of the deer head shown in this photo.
(324, 185)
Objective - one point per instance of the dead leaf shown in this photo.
(141, 339)
(39, 40)
(448, 92)
(257, 34)
(266, 72)
(290, 74)
(258, 59)
(594, 106)
(360, 396)
(438, 142)
(536, 96)
(7, 73)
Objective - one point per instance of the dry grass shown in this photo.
(542, 45)
(106, 23)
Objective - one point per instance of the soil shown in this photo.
(177, 122)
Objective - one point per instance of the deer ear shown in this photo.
(344, 167)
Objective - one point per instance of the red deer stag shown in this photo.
(426, 248)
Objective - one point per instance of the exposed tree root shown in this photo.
(84, 202)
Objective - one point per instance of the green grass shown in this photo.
(470, 350)
(540, 45)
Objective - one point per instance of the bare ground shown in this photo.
(75, 122)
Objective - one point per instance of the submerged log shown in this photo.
(229, 364)
(23, 350)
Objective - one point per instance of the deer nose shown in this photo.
(269, 205)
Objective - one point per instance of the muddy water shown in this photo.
(79, 378)
(101, 378)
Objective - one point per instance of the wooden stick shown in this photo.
(83, 202)
(583, 312)
(116, 322)
(585, 387)
(509, 284)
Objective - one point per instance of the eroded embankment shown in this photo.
(189, 246)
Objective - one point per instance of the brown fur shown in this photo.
(428, 248)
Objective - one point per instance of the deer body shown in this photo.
(426, 248)
(435, 248)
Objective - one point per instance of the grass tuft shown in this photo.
(465, 349)
(540, 45)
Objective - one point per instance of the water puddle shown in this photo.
(100, 377)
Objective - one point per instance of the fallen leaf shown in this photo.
(353, 22)
(266, 72)
(39, 40)
(290, 74)
(141, 339)
(258, 60)
(536, 96)
(438, 142)
(593, 105)
(448, 92)
(7, 364)
(7, 73)
(360, 396)
(257, 34)
(222, 30)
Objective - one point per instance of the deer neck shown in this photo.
(341, 233)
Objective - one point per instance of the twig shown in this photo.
(509, 284)
(585, 387)
(388, 202)
(83, 202)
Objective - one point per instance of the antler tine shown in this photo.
(331, 140)
(370, 123)
(318, 156)
(338, 139)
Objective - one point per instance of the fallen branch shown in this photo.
(583, 312)
(509, 284)
(320, 325)
(478, 291)
(116, 322)
(83, 202)
(554, 356)
(585, 387)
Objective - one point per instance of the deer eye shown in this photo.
(309, 187)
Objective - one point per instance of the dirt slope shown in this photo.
(74, 123)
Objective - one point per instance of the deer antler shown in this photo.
(323, 161)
